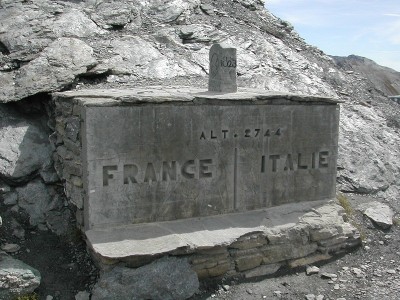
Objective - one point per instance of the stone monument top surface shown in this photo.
(185, 94)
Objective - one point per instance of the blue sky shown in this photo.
(369, 28)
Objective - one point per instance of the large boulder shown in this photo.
(24, 146)
(379, 213)
(74, 23)
(38, 200)
(16, 278)
(168, 278)
(56, 67)
(113, 13)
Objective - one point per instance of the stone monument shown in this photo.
(153, 170)
(147, 161)
(222, 77)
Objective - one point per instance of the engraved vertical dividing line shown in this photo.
(235, 170)
(263, 164)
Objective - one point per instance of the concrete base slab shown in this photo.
(252, 243)
(116, 244)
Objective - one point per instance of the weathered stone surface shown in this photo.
(310, 270)
(22, 35)
(10, 198)
(132, 55)
(49, 174)
(170, 11)
(109, 14)
(247, 242)
(222, 70)
(37, 200)
(252, 260)
(180, 94)
(309, 260)
(262, 270)
(8, 88)
(214, 265)
(278, 253)
(374, 170)
(16, 278)
(288, 233)
(24, 146)
(83, 295)
(164, 279)
(74, 23)
(4, 187)
(144, 241)
(381, 214)
(325, 222)
(252, 4)
(55, 68)
(59, 221)
(10, 248)
(72, 128)
(198, 33)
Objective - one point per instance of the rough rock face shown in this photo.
(16, 278)
(52, 45)
(168, 278)
(55, 67)
(379, 213)
(24, 146)
(37, 200)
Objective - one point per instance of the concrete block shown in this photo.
(164, 162)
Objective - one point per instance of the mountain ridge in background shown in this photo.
(384, 78)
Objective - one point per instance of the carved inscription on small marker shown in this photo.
(223, 63)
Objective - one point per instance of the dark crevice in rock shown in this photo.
(393, 123)
(91, 78)
(348, 187)
(198, 41)
(16, 182)
(33, 105)
(116, 27)
(3, 49)
(14, 65)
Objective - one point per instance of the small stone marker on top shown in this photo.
(222, 77)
